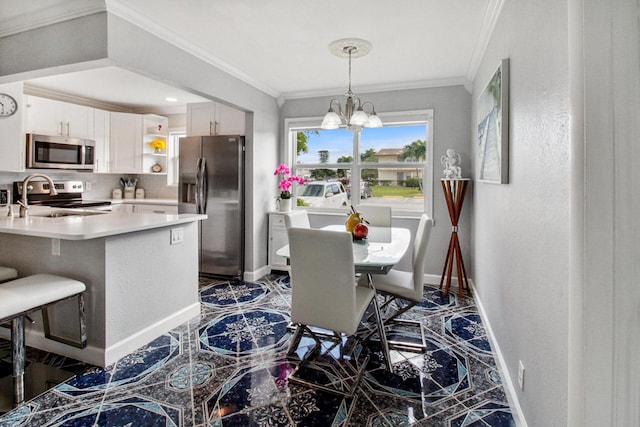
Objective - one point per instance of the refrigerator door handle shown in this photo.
(198, 192)
(205, 185)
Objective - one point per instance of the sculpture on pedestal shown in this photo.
(451, 162)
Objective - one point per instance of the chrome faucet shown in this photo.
(25, 188)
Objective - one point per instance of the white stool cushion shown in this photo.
(7, 273)
(30, 292)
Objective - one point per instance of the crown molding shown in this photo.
(31, 89)
(489, 22)
(118, 9)
(420, 84)
(43, 16)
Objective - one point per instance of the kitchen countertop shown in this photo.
(91, 226)
(173, 202)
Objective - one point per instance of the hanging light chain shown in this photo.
(350, 50)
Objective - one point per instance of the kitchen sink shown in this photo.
(62, 214)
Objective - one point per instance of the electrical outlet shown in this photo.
(87, 185)
(177, 235)
(521, 375)
(55, 247)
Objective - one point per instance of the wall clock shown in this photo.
(8, 105)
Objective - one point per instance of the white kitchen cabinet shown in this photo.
(50, 117)
(129, 143)
(125, 143)
(277, 239)
(212, 118)
(101, 137)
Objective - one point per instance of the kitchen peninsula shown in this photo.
(141, 273)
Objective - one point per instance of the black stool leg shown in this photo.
(17, 358)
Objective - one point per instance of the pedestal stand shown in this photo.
(454, 191)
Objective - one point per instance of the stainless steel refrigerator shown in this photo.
(211, 172)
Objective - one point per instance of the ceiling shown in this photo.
(281, 46)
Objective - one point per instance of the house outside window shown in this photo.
(394, 163)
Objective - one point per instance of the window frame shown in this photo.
(173, 154)
(391, 118)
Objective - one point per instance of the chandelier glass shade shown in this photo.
(353, 115)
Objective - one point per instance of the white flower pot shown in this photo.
(284, 205)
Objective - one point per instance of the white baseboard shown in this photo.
(105, 356)
(252, 276)
(431, 279)
(507, 382)
(146, 335)
(35, 338)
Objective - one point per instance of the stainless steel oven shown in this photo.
(70, 195)
(59, 152)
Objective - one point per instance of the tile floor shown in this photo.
(228, 367)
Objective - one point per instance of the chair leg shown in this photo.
(400, 311)
(17, 359)
(82, 330)
(295, 340)
(383, 335)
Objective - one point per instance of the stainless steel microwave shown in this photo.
(59, 152)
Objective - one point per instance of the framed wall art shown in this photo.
(493, 128)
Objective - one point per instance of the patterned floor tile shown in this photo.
(228, 367)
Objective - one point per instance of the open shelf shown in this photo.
(155, 127)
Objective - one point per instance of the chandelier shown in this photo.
(353, 114)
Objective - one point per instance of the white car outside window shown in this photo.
(323, 194)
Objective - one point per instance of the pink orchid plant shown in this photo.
(286, 181)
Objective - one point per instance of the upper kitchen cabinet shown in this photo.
(49, 117)
(125, 143)
(212, 118)
(130, 143)
(101, 136)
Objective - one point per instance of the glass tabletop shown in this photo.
(383, 248)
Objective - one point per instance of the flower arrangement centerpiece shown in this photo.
(286, 183)
(158, 145)
(287, 180)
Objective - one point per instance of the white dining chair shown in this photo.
(378, 216)
(324, 293)
(297, 219)
(401, 288)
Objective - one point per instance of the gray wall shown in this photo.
(452, 114)
(110, 44)
(522, 229)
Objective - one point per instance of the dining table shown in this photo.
(378, 253)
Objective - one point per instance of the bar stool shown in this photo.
(22, 296)
(7, 273)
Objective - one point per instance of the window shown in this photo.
(173, 153)
(389, 166)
